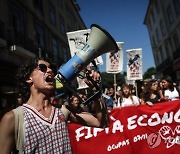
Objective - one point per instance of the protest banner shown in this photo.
(132, 130)
(114, 60)
(134, 64)
(77, 40)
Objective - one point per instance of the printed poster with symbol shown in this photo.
(134, 64)
(77, 40)
(114, 60)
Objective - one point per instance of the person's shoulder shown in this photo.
(65, 111)
(175, 89)
(8, 117)
(7, 123)
(135, 97)
(7, 132)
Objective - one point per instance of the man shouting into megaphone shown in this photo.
(37, 126)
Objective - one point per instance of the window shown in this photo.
(176, 4)
(68, 12)
(62, 25)
(52, 15)
(157, 7)
(55, 49)
(2, 30)
(176, 40)
(65, 56)
(159, 57)
(158, 60)
(18, 20)
(74, 24)
(161, 54)
(40, 36)
(167, 50)
(162, 26)
(153, 17)
(150, 25)
(39, 5)
(157, 35)
(170, 15)
(18, 31)
(60, 2)
(69, 29)
(154, 41)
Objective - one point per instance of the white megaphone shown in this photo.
(99, 42)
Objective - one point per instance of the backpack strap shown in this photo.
(19, 128)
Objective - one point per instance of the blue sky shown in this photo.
(124, 21)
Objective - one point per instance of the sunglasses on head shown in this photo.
(43, 68)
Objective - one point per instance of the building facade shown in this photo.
(29, 29)
(163, 23)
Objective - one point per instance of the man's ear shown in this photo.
(29, 81)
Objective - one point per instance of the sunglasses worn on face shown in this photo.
(43, 68)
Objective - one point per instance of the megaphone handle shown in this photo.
(92, 97)
(94, 63)
(92, 81)
(72, 90)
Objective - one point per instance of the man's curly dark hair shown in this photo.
(24, 73)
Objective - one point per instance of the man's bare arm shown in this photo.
(7, 126)
(99, 119)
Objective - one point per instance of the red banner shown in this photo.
(140, 130)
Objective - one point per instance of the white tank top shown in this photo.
(45, 135)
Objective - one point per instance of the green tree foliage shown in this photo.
(148, 74)
(108, 79)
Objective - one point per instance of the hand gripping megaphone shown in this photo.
(99, 42)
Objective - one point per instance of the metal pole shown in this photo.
(136, 88)
(115, 87)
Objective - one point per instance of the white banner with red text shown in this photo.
(114, 60)
(140, 130)
(134, 64)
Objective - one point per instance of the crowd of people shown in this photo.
(152, 91)
(42, 126)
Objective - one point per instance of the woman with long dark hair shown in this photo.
(169, 90)
(152, 93)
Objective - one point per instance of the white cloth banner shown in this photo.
(114, 60)
(134, 64)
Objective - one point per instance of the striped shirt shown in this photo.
(45, 135)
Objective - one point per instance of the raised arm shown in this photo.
(7, 127)
(98, 119)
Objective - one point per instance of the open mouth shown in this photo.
(49, 79)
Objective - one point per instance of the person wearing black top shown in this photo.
(152, 93)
